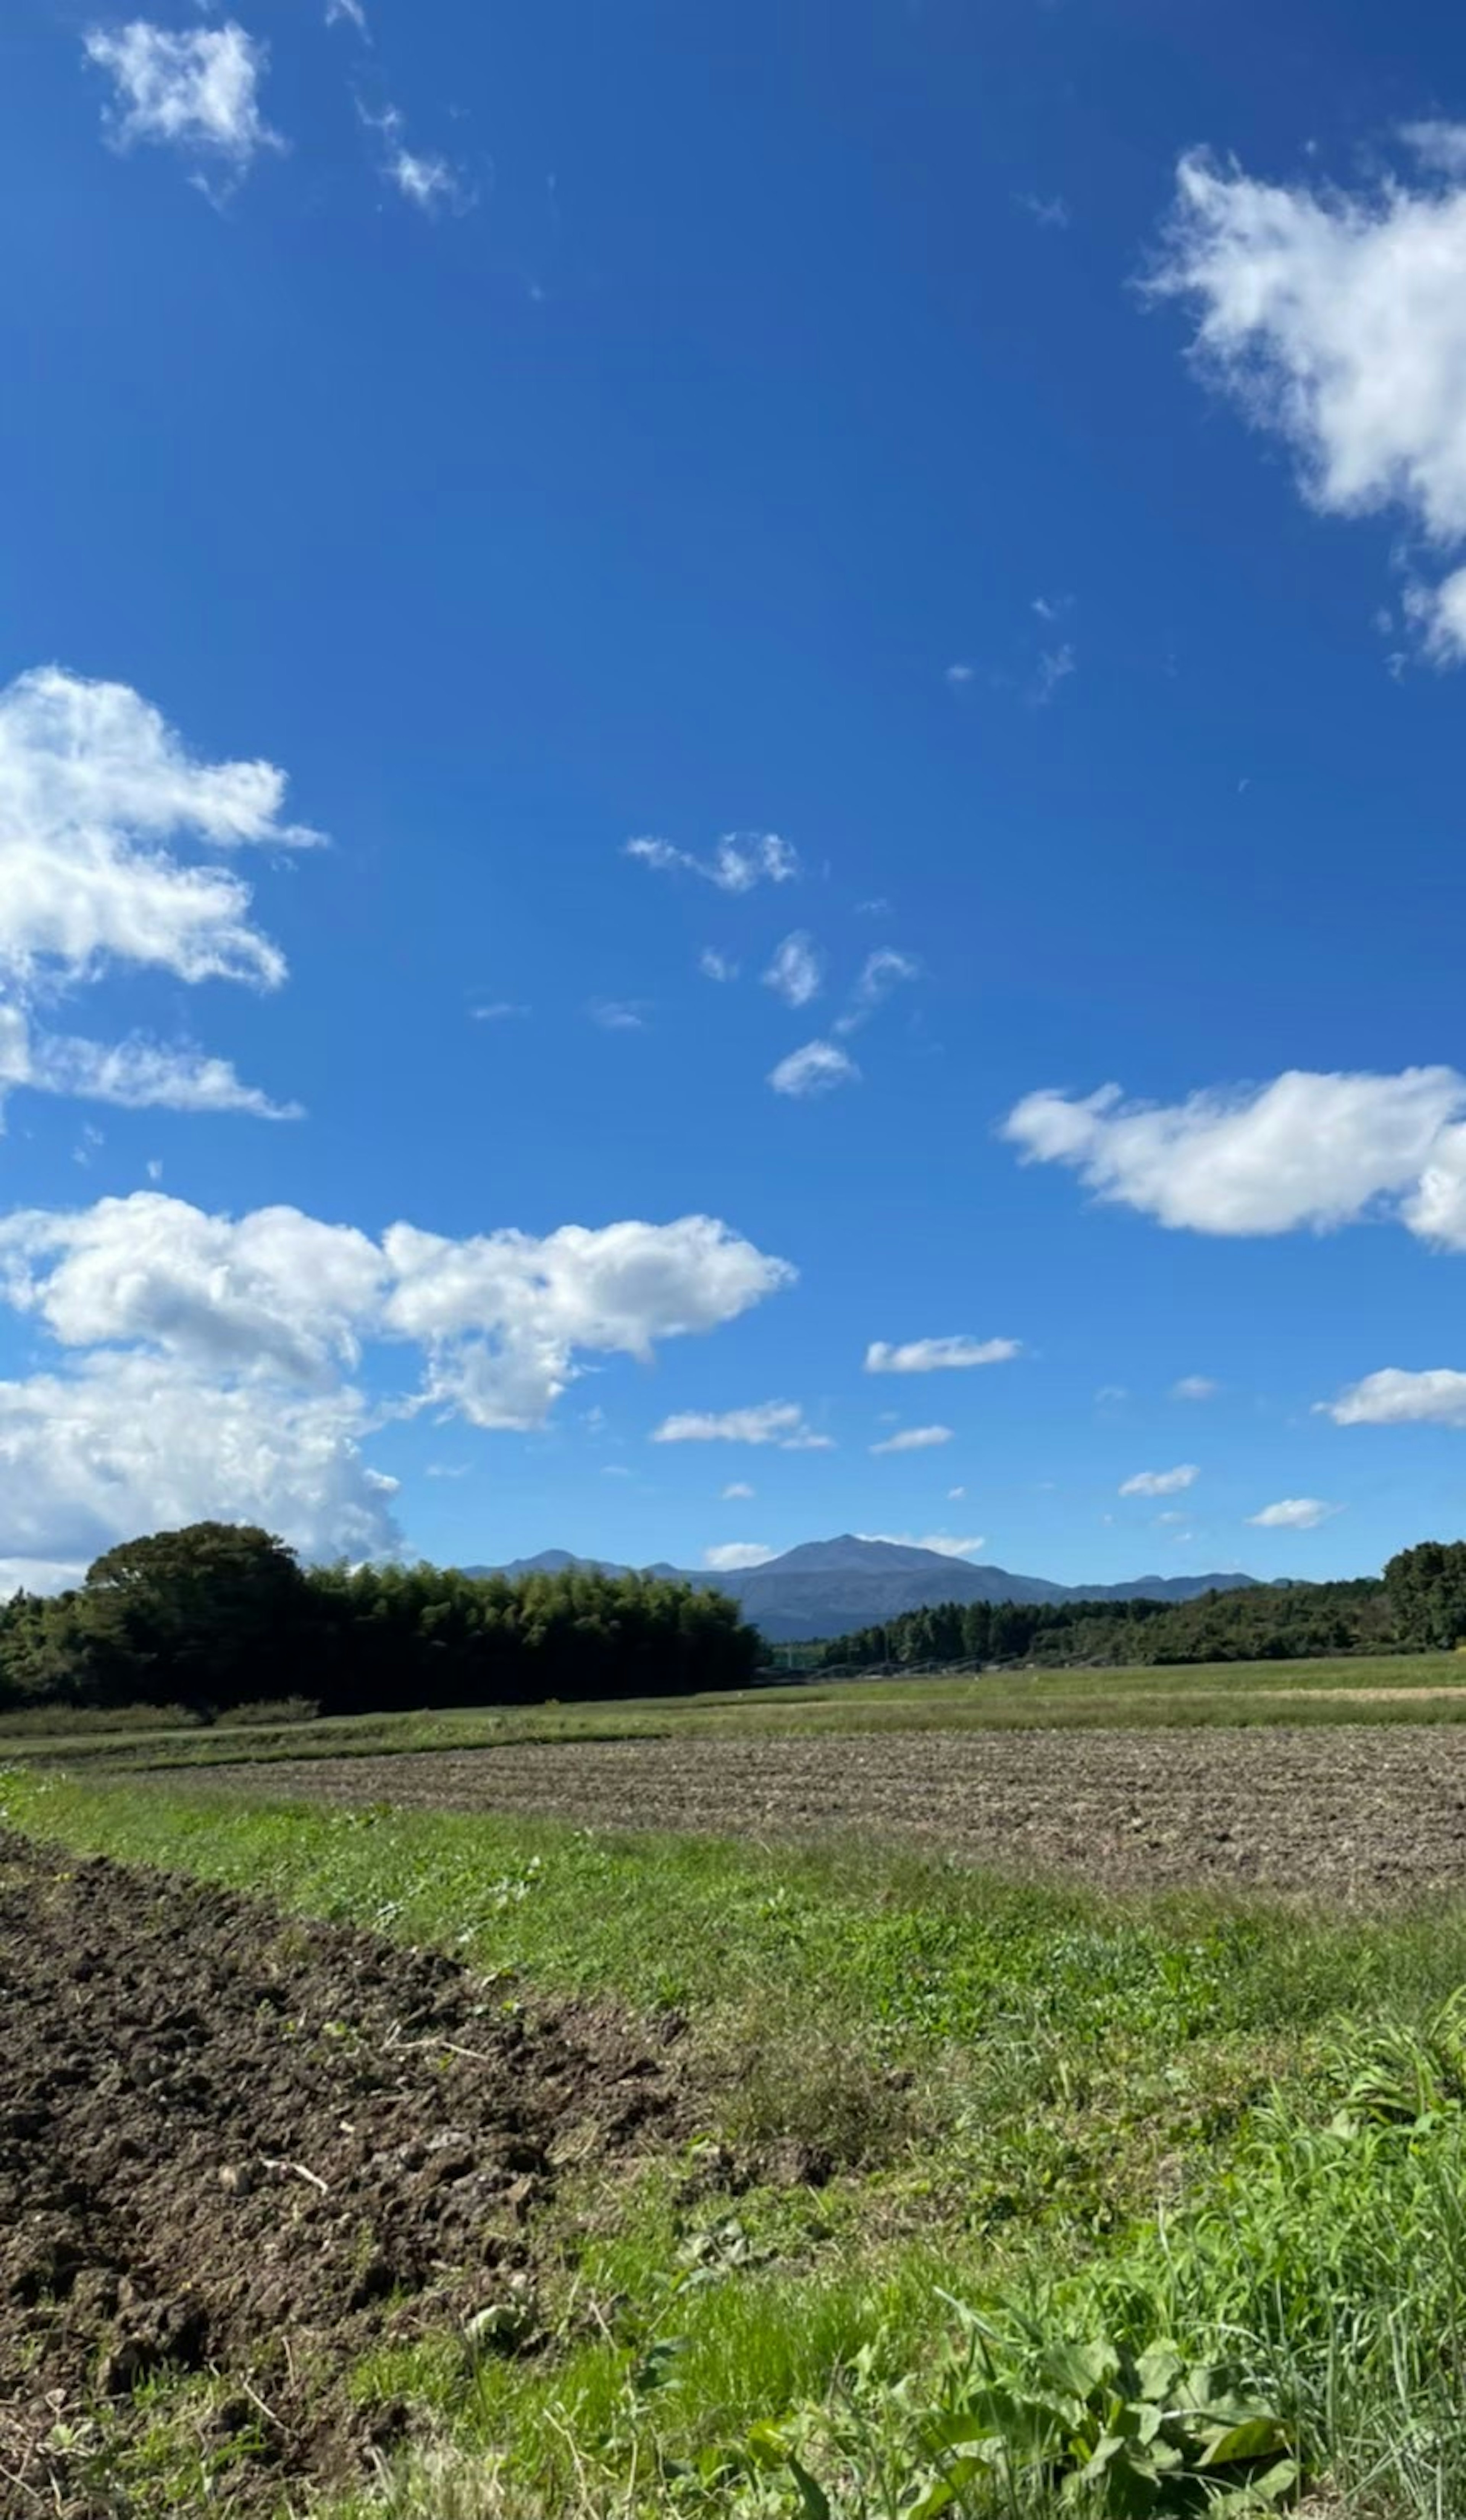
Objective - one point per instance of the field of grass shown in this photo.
(1407, 1688)
(1000, 2198)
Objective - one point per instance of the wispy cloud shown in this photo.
(715, 966)
(346, 12)
(781, 1422)
(817, 1068)
(1159, 1483)
(795, 972)
(739, 861)
(618, 1015)
(197, 91)
(881, 972)
(431, 183)
(942, 1543)
(1294, 1514)
(959, 675)
(1049, 210)
(914, 1439)
(737, 1492)
(1196, 1386)
(938, 1355)
(498, 1011)
(1054, 667)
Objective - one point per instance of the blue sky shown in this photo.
(979, 495)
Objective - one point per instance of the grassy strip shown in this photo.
(1058, 2108)
(1395, 1688)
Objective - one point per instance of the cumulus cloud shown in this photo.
(1294, 1514)
(127, 1443)
(209, 1365)
(914, 1439)
(938, 1355)
(1337, 321)
(99, 799)
(1306, 1149)
(740, 860)
(1155, 1483)
(814, 1068)
(794, 974)
(95, 786)
(941, 1543)
(771, 1422)
(1394, 1398)
(736, 1491)
(728, 1555)
(197, 91)
(715, 966)
(1196, 1386)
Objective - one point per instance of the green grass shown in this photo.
(1210, 1693)
(1228, 2124)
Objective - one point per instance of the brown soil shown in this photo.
(255, 2149)
(1351, 1811)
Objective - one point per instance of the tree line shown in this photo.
(1417, 1605)
(221, 1615)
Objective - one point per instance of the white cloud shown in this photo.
(955, 1495)
(1294, 1514)
(1154, 1484)
(1051, 211)
(136, 1075)
(618, 1015)
(1052, 608)
(137, 1442)
(715, 966)
(941, 1542)
(197, 91)
(1306, 1149)
(958, 676)
(1166, 1519)
(614, 1470)
(429, 183)
(498, 1011)
(1337, 320)
(936, 1354)
(94, 784)
(794, 974)
(1054, 667)
(881, 972)
(738, 1491)
(502, 1314)
(740, 860)
(208, 1365)
(771, 1422)
(728, 1555)
(816, 1068)
(914, 1439)
(1394, 1398)
(98, 797)
(346, 12)
(1196, 1386)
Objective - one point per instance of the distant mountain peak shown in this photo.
(824, 1587)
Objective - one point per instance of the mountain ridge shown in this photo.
(824, 1587)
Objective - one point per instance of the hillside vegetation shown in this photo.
(1418, 1605)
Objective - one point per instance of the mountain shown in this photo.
(826, 1587)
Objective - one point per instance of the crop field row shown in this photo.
(1352, 1810)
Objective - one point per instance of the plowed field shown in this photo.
(1350, 1811)
(254, 2149)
